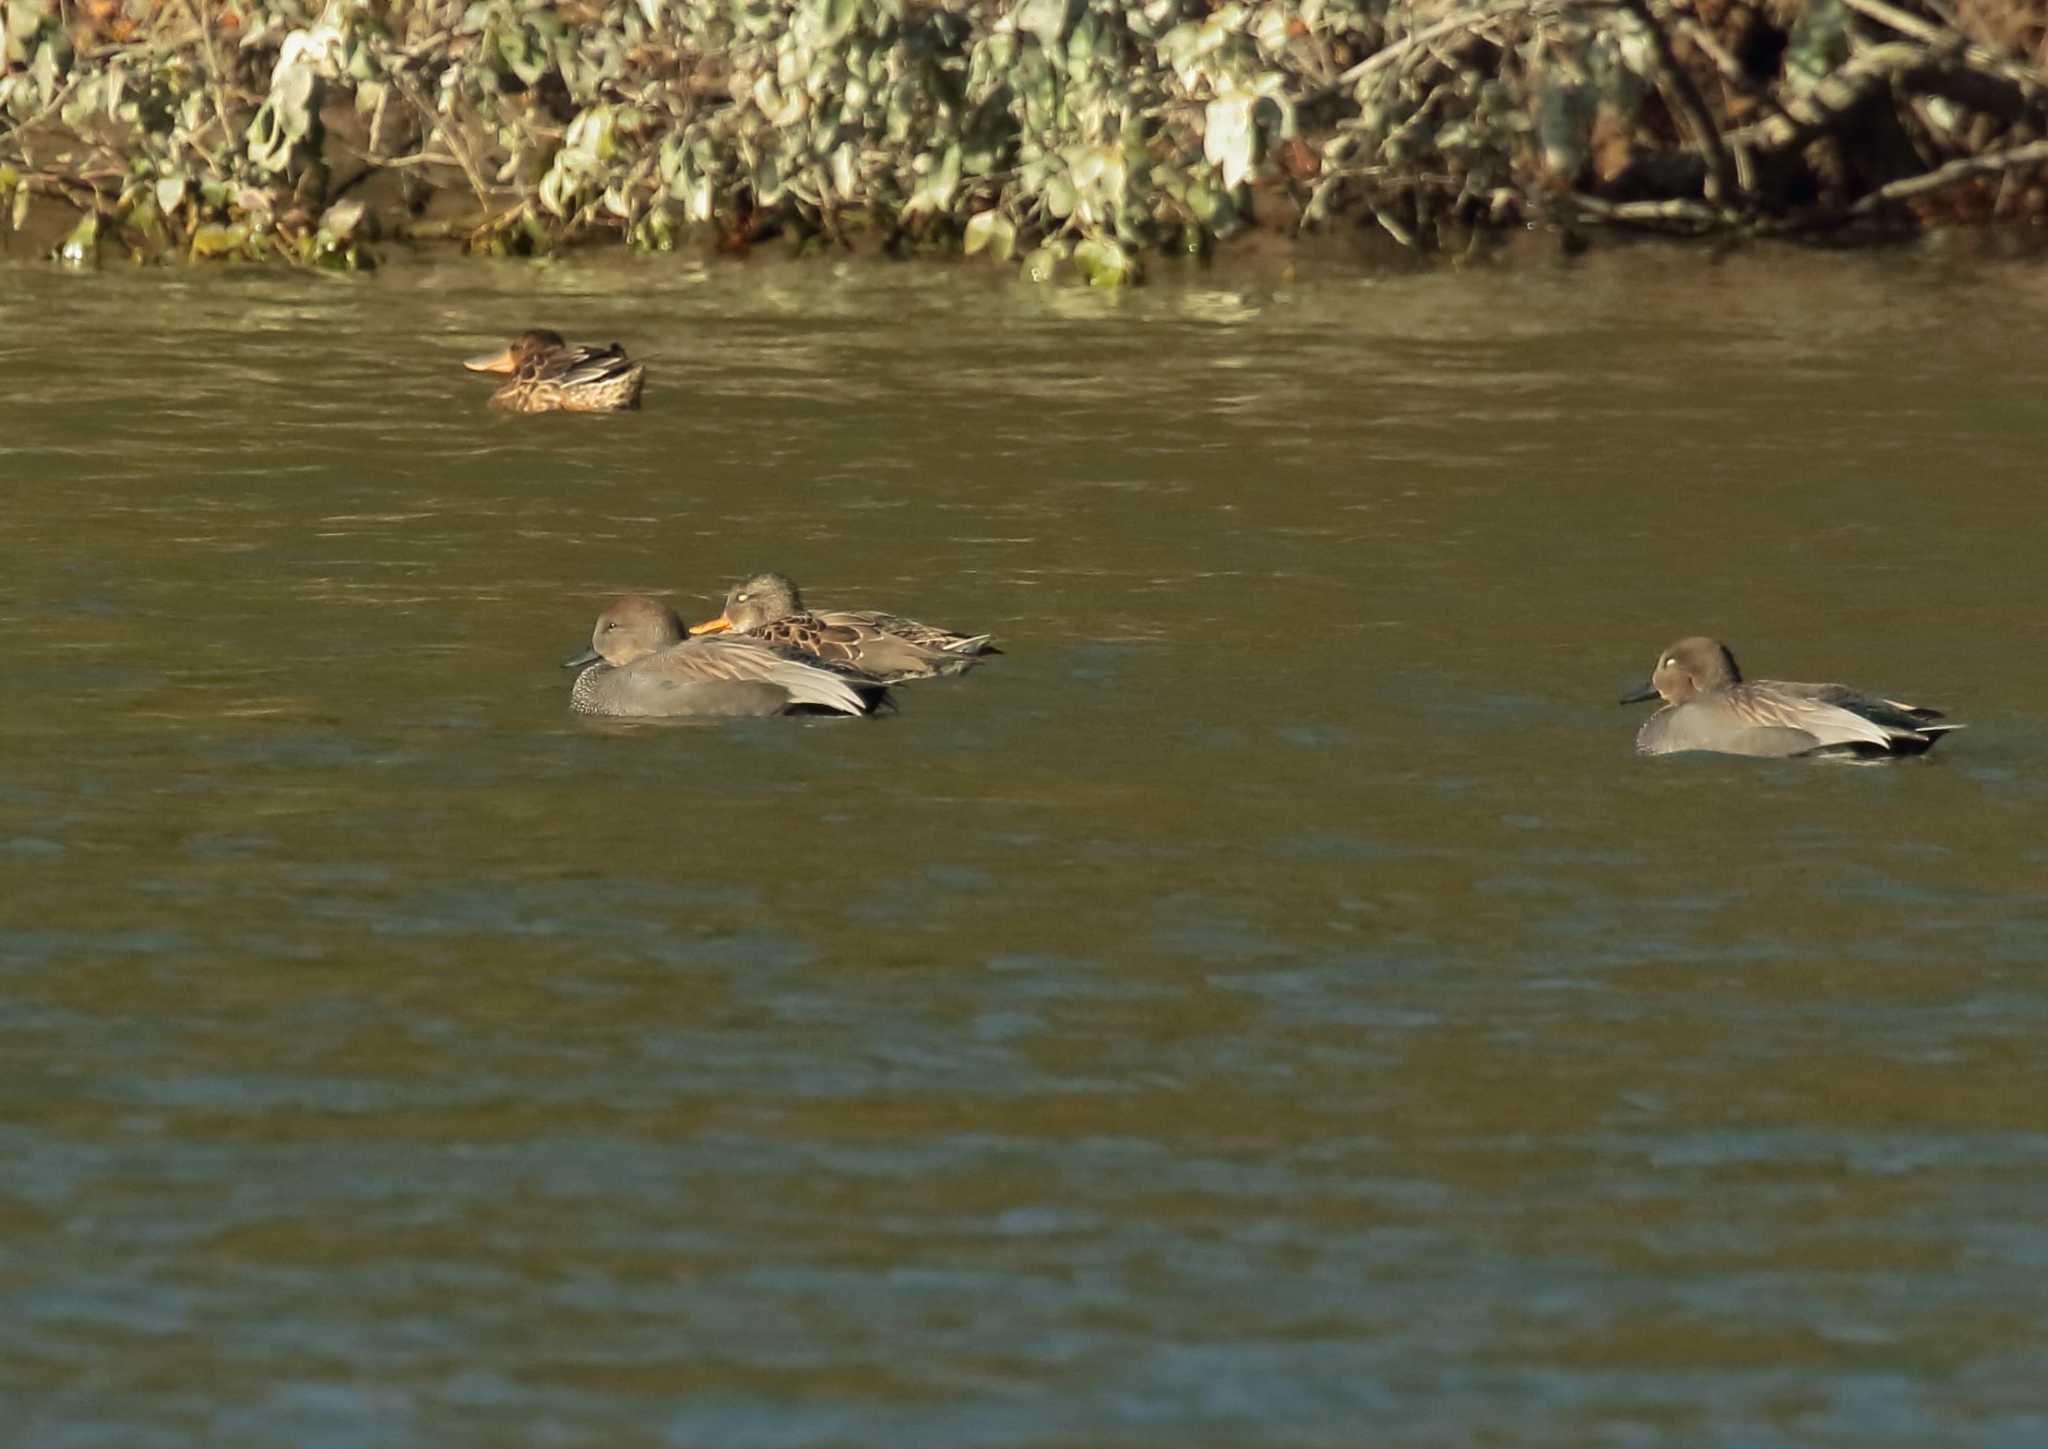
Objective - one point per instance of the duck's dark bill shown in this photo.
(712, 626)
(493, 362)
(588, 656)
(1637, 696)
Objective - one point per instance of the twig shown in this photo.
(1968, 168)
(1394, 229)
(2006, 185)
(1695, 215)
(1899, 20)
(1817, 112)
(53, 182)
(213, 81)
(72, 190)
(491, 223)
(22, 128)
(398, 163)
(1723, 185)
(431, 118)
(1731, 68)
(1707, 44)
(376, 132)
(1890, 16)
(1464, 20)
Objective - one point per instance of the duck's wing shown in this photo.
(582, 366)
(750, 661)
(849, 641)
(892, 653)
(830, 642)
(872, 686)
(930, 636)
(892, 657)
(1891, 713)
(1833, 714)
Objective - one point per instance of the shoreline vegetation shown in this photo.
(1069, 138)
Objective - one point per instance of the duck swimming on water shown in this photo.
(888, 646)
(640, 665)
(549, 375)
(1708, 705)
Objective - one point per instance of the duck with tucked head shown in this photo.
(888, 646)
(548, 375)
(1708, 705)
(640, 665)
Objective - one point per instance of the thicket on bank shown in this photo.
(1073, 134)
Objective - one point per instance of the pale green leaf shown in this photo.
(992, 232)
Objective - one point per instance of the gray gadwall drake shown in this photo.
(640, 665)
(548, 375)
(768, 606)
(1708, 705)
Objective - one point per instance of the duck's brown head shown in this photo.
(528, 346)
(1689, 667)
(758, 602)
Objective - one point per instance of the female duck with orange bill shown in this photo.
(548, 375)
(888, 646)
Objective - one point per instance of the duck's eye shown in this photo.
(741, 598)
(1671, 664)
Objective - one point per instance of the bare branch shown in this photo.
(1464, 20)
(1969, 168)
(1723, 187)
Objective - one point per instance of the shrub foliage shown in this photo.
(1068, 134)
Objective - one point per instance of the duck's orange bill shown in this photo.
(712, 626)
(493, 362)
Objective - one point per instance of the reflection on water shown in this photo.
(1267, 1005)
